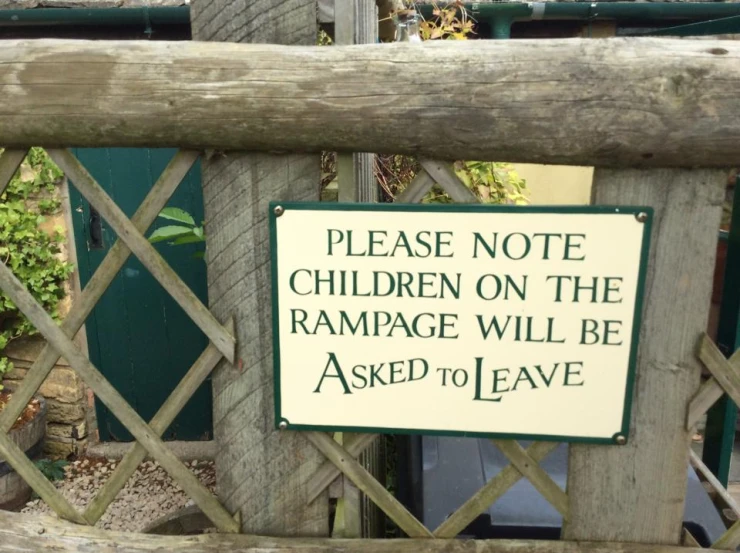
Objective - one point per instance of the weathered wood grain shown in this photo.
(356, 23)
(113, 400)
(636, 492)
(155, 200)
(262, 473)
(182, 393)
(730, 540)
(488, 494)
(725, 374)
(711, 390)
(369, 485)
(326, 11)
(443, 173)
(708, 394)
(533, 472)
(37, 533)
(593, 102)
(348, 510)
(700, 467)
(416, 190)
(328, 472)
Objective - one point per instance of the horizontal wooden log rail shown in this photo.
(25, 533)
(602, 102)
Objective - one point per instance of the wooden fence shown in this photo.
(661, 141)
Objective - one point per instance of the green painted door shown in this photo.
(138, 337)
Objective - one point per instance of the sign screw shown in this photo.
(620, 439)
(641, 217)
(279, 210)
(283, 425)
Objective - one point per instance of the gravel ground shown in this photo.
(149, 494)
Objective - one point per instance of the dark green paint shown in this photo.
(620, 437)
(110, 17)
(138, 337)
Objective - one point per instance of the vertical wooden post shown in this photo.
(356, 22)
(261, 472)
(635, 493)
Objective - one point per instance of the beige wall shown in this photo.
(557, 184)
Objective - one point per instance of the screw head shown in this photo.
(279, 210)
(620, 439)
(641, 217)
(283, 425)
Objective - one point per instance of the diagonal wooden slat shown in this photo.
(725, 374)
(185, 389)
(369, 485)
(113, 400)
(38, 482)
(711, 390)
(416, 190)
(155, 200)
(535, 474)
(700, 467)
(442, 172)
(328, 472)
(145, 252)
(730, 540)
(688, 540)
(10, 160)
(489, 493)
(708, 394)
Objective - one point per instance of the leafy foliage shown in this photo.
(187, 232)
(29, 251)
(53, 470)
(450, 22)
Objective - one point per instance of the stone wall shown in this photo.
(66, 396)
(70, 414)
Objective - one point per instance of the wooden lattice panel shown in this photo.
(341, 458)
(131, 240)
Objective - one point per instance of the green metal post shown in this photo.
(501, 27)
(719, 436)
(96, 16)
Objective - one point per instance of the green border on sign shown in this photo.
(465, 208)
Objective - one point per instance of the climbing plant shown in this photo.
(30, 251)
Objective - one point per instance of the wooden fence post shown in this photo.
(356, 22)
(635, 493)
(262, 473)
